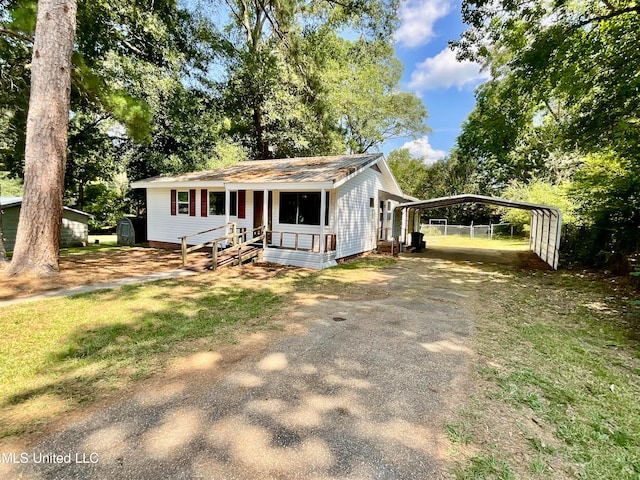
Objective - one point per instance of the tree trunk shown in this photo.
(262, 147)
(38, 238)
(3, 252)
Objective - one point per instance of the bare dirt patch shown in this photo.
(94, 267)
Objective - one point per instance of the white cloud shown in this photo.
(417, 18)
(445, 71)
(421, 148)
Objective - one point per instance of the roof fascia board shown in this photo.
(68, 209)
(80, 212)
(341, 182)
(236, 186)
(177, 184)
(458, 199)
(291, 186)
(389, 173)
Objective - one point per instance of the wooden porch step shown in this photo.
(385, 247)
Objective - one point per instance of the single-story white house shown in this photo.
(315, 210)
(75, 229)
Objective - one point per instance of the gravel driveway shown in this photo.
(360, 386)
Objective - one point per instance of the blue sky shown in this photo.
(432, 72)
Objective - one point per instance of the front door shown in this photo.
(258, 209)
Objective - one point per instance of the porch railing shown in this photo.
(384, 233)
(292, 241)
(237, 237)
(186, 249)
(257, 235)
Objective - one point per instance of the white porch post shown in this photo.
(323, 212)
(227, 200)
(265, 218)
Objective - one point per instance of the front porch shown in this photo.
(301, 249)
(233, 245)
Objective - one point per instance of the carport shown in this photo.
(546, 222)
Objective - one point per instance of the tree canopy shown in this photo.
(166, 86)
(562, 107)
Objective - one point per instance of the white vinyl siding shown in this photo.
(167, 228)
(356, 230)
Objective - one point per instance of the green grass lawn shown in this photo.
(111, 240)
(556, 392)
(104, 242)
(496, 243)
(63, 353)
(559, 359)
(59, 354)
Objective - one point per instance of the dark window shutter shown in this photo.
(242, 197)
(204, 210)
(192, 203)
(174, 202)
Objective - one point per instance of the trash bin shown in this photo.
(416, 241)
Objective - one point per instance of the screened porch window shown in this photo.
(302, 208)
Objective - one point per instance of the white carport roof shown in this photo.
(546, 221)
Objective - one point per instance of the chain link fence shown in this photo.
(472, 231)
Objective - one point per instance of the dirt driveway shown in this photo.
(94, 267)
(359, 385)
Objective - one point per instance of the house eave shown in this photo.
(176, 184)
(291, 186)
(236, 186)
(344, 180)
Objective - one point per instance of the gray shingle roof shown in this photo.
(305, 169)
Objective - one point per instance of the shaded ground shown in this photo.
(110, 265)
(360, 384)
(517, 258)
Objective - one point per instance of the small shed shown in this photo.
(131, 230)
(75, 229)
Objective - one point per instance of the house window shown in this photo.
(233, 207)
(389, 210)
(183, 203)
(216, 203)
(372, 209)
(302, 208)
